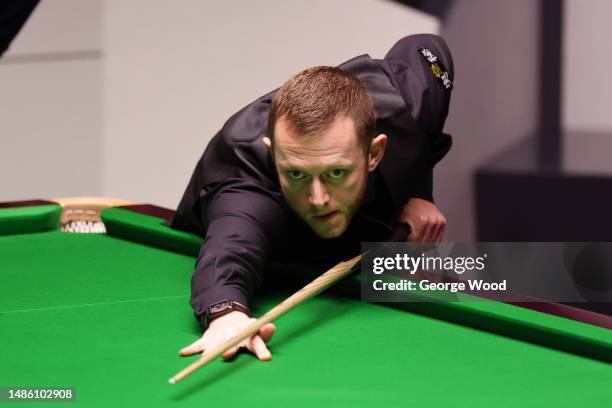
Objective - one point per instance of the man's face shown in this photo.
(322, 177)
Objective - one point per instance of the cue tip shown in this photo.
(172, 381)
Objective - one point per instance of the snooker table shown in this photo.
(107, 313)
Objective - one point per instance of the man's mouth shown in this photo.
(325, 217)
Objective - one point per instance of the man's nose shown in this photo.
(318, 196)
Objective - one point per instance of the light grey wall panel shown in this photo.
(175, 71)
(50, 137)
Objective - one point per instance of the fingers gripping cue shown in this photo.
(312, 289)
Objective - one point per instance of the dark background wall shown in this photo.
(494, 105)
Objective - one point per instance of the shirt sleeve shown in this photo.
(241, 221)
(426, 89)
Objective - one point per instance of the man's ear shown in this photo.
(267, 142)
(377, 151)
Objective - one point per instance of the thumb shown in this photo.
(193, 348)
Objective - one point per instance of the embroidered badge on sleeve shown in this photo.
(437, 68)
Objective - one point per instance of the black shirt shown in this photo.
(234, 200)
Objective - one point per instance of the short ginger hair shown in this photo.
(311, 100)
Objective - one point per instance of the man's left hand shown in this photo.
(424, 219)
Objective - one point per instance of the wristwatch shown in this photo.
(222, 308)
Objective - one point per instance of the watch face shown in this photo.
(219, 307)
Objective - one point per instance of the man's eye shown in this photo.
(295, 175)
(337, 174)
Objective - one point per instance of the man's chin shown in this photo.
(329, 233)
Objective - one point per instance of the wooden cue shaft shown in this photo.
(313, 288)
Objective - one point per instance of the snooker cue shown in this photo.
(315, 287)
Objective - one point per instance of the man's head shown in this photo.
(322, 132)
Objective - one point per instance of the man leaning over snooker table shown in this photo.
(334, 157)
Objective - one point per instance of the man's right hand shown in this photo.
(223, 328)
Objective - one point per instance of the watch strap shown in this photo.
(222, 308)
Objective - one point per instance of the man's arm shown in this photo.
(427, 95)
(241, 220)
(423, 72)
